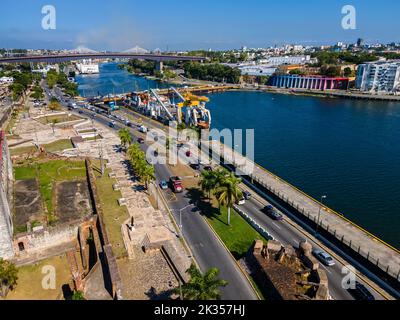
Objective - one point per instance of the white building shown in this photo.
(379, 77)
(6, 80)
(277, 61)
(87, 67)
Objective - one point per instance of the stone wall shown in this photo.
(6, 183)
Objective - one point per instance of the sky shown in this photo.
(187, 24)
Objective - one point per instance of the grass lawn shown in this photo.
(58, 145)
(50, 172)
(239, 236)
(113, 215)
(29, 284)
(58, 118)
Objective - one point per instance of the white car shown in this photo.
(242, 201)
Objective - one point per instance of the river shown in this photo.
(345, 149)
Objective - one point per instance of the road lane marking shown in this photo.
(276, 225)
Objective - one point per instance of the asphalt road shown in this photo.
(208, 251)
(206, 248)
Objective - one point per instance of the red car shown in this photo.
(188, 153)
(176, 184)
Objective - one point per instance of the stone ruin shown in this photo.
(286, 273)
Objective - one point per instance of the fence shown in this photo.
(365, 253)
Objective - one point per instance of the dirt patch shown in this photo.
(72, 198)
(28, 202)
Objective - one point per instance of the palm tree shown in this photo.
(201, 287)
(147, 175)
(125, 136)
(207, 182)
(8, 277)
(228, 192)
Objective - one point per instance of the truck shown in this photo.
(176, 183)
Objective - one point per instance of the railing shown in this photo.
(365, 253)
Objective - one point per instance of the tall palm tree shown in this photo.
(201, 287)
(125, 136)
(228, 192)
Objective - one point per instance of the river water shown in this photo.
(346, 149)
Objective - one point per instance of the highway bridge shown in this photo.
(99, 55)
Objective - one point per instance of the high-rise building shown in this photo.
(379, 77)
(360, 42)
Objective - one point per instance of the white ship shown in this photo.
(87, 67)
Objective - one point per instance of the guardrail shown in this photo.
(333, 231)
(254, 224)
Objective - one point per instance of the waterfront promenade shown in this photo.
(376, 251)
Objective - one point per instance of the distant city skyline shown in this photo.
(182, 25)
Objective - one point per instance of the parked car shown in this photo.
(208, 168)
(111, 124)
(246, 195)
(325, 258)
(272, 213)
(163, 185)
(140, 140)
(196, 166)
(188, 153)
(360, 292)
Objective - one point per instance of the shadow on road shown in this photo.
(206, 208)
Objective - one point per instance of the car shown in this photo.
(325, 258)
(188, 153)
(196, 166)
(176, 183)
(208, 168)
(272, 213)
(93, 115)
(140, 140)
(246, 195)
(241, 201)
(163, 185)
(111, 124)
(360, 292)
(80, 111)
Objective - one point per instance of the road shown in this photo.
(209, 252)
(206, 248)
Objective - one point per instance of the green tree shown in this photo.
(228, 192)
(8, 277)
(125, 136)
(78, 295)
(201, 287)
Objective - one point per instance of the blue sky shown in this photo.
(188, 24)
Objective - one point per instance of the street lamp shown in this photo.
(180, 218)
(319, 213)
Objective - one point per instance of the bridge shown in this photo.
(100, 55)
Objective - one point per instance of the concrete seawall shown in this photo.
(360, 241)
